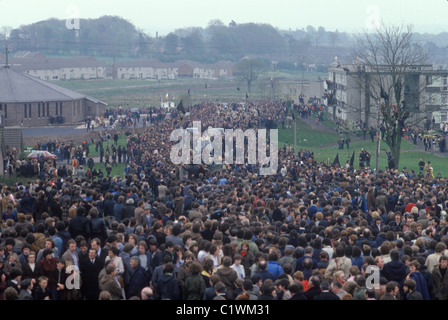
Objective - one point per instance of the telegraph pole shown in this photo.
(6, 54)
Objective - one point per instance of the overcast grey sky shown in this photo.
(166, 15)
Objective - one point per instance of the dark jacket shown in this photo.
(167, 288)
(40, 294)
(326, 295)
(395, 271)
(298, 296)
(118, 212)
(128, 211)
(414, 295)
(65, 237)
(79, 225)
(138, 281)
(439, 284)
(264, 274)
(89, 278)
(40, 206)
(422, 286)
(312, 292)
(29, 274)
(108, 207)
(194, 287)
(98, 229)
(27, 203)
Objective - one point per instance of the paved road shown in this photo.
(62, 130)
(50, 131)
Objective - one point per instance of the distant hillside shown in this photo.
(114, 38)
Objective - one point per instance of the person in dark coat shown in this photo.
(296, 291)
(40, 205)
(167, 285)
(194, 284)
(263, 272)
(80, 225)
(421, 284)
(27, 203)
(48, 263)
(410, 290)
(266, 292)
(439, 278)
(90, 269)
(59, 277)
(32, 269)
(108, 205)
(395, 270)
(128, 209)
(98, 228)
(139, 279)
(41, 291)
(326, 293)
(314, 289)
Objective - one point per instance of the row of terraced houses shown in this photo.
(84, 68)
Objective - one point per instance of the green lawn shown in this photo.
(116, 170)
(324, 145)
(306, 136)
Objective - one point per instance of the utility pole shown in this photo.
(6, 54)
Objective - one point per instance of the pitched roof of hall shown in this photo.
(16, 87)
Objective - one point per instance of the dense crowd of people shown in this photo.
(310, 231)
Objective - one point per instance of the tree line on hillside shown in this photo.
(116, 37)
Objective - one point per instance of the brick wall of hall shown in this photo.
(36, 114)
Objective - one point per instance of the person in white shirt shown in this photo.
(238, 267)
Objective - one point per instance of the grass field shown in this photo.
(324, 145)
(146, 92)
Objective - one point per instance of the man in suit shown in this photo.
(15, 278)
(71, 254)
(101, 252)
(326, 293)
(377, 226)
(90, 269)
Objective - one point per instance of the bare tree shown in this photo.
(389, 71)
(250, 70)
